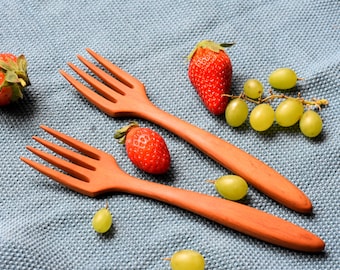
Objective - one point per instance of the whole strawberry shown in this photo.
(210, 72)
(13, 77)
(145, 148)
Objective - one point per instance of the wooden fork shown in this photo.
(124, 95)
(91, 172)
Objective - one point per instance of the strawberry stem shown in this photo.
(22, 82)
(120, 134)
(211, 181)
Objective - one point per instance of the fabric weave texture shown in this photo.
(46, 226)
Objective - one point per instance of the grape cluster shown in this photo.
(289, 112)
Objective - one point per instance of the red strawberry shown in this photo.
(13, 77)
(210, 72)
(145, 148)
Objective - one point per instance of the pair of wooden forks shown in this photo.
(94, 172)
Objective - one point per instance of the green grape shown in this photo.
(236, 112)
(231, 187)
(282, 78)
(311, 124)
(289, 112)
(262, 117)
(253, 88)
(187, 259)
(102, 220)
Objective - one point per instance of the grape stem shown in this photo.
(314, 102)
(211, 181)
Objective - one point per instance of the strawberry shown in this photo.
(145, 148)
(13, 77)
(210, 72)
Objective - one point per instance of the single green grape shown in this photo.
(262, 117)
(187, 260)
(102, 220)
(253, 88)
(236, 112)
(282, 78)
(289, 112)
(311, 124)
(231, 187)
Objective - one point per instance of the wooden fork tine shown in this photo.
(80, 146)
(119, 73)
(99, 86)
(66, 180)
(102, 103)
(79, 172)
(76, 158)
(117, 85)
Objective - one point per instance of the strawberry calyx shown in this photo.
(120, 134)
(13, 77)
(16, 71)
(211, 45)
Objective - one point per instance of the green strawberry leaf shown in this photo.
(22, 63)
(11, 77)
(16, 93)
(22, 71)
(227, 45)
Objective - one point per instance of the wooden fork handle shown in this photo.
(231, 214)
(254, 171)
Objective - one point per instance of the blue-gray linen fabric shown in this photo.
(43, 225)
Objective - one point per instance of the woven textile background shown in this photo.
(46, 226)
